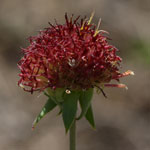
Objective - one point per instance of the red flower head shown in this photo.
(75, 55)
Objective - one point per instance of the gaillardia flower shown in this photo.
(75, 55)
(67, 61)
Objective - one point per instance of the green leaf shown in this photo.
(56, 95)
(45, 93)
(59, 92)
(90, 117)
(85, 101)
(47, 108)
(69, 108)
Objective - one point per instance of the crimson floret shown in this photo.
(74, 55)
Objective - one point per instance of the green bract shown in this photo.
(68, 104)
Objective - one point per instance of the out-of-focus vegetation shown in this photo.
(141, 51)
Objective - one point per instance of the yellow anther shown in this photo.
(83, 24)
(96, 32)
(92, 15)
(97, 29)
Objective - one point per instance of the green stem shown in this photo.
(73, 136)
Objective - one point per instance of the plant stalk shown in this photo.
(73, 136)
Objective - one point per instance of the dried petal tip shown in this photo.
(129, 72)
(132, 73)
(116, 85)
(21, 85)
(92, 15)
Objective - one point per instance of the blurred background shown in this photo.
(122, 120)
